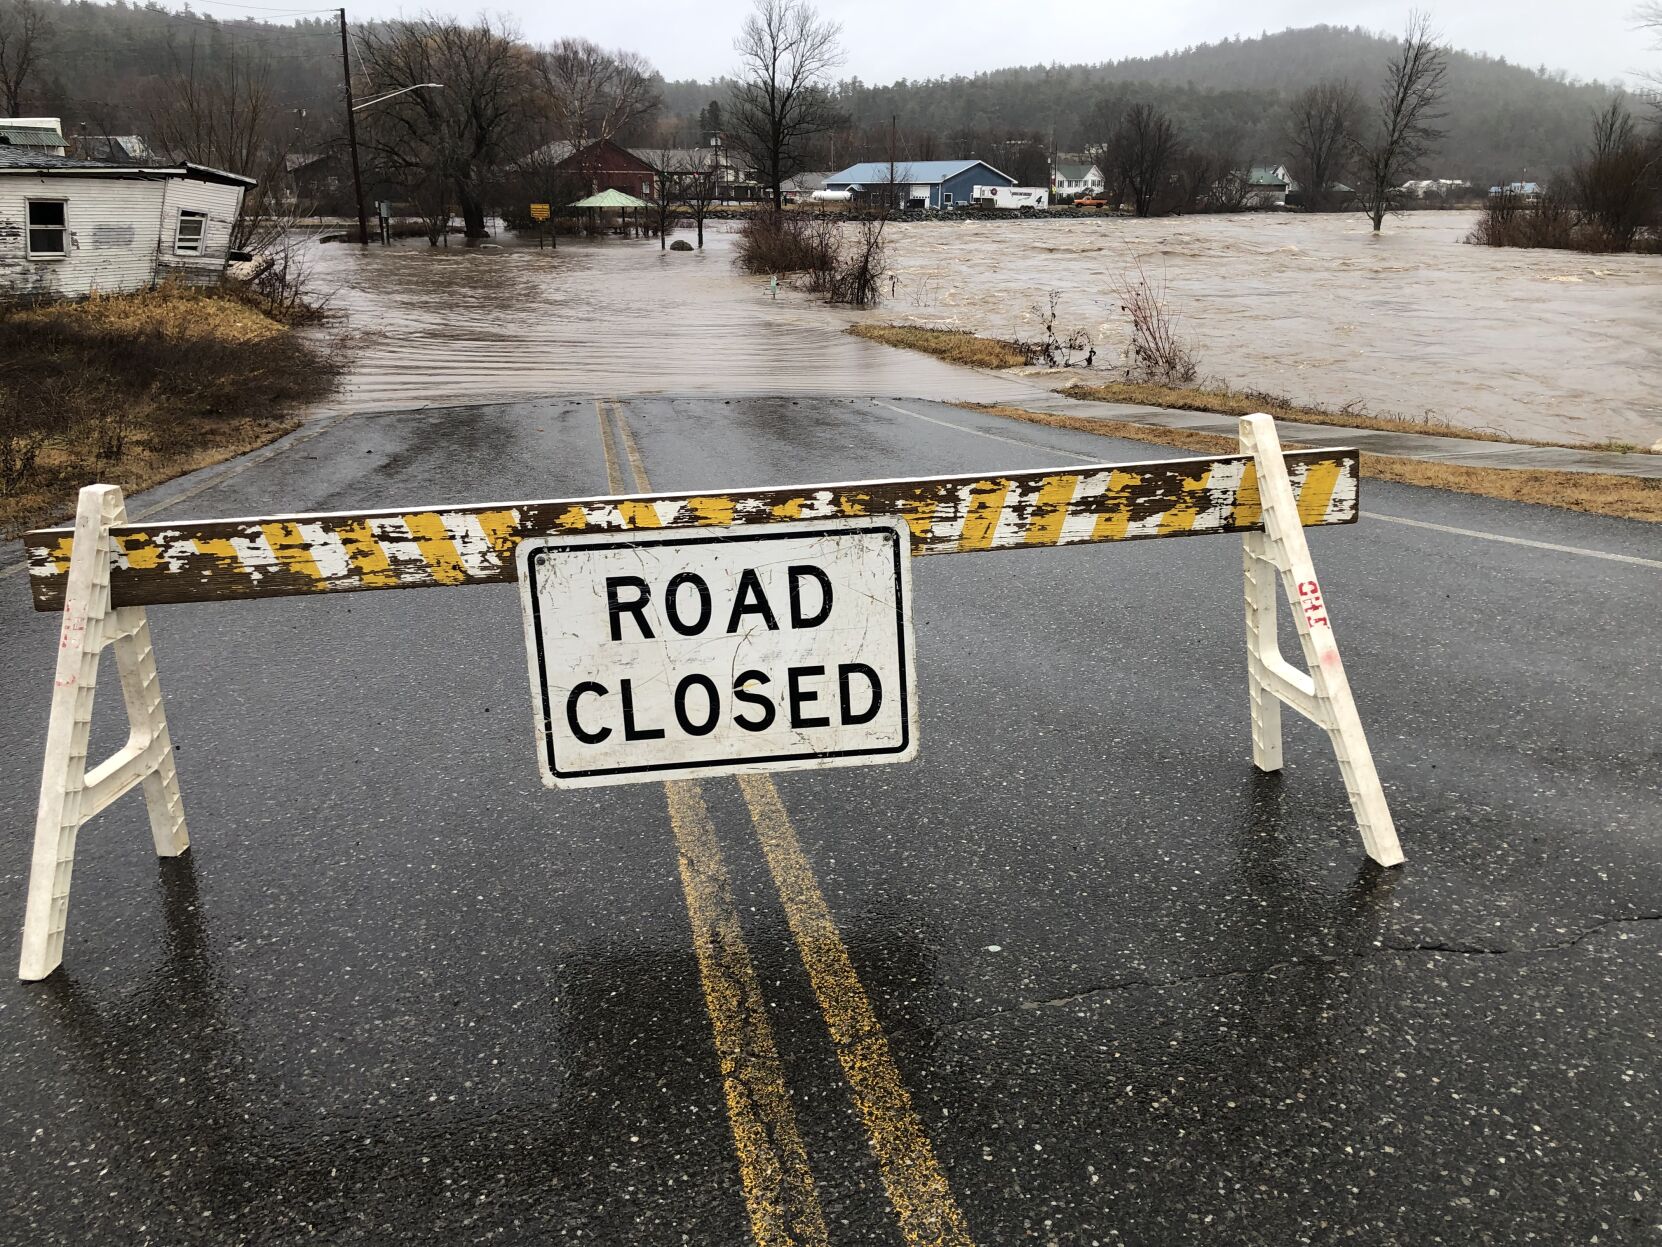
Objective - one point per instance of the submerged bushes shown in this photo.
(1611, 200)
(844, 261)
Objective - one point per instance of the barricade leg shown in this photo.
(69, 793)
(1323, 694)
(1261, 589)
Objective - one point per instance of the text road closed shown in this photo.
(656, 655)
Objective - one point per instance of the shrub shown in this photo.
(1155, 353)
(680, 244)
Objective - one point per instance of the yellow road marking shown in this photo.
(779, 1192)
(917, 1187)
(779, 1187)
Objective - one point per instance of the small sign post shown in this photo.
(680, 654)
(540, 212)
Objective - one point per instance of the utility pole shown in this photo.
(352, 133)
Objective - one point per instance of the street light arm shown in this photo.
(377, 99)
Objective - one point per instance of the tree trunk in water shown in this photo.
(701, 232)
(473, 212)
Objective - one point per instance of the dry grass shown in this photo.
(1625, 497)
(135, 389)
(957, 346)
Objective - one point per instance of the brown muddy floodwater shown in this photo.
(1547, 345)
(435, 326)
(1535, 344)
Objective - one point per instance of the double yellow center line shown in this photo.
(780, 1195)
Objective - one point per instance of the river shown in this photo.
(1533, 344)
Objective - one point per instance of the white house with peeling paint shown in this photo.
(69, 227)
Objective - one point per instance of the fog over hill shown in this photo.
(1502, 119)
(104, 65)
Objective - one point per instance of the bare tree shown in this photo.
(1143, 149)
(1404, 133)
(24, 35)
(780, 94)
(464, 130)
(593, 94)
(222, 111)
(1320, 122)
(699, 184)
(1616, 182)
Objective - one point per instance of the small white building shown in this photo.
(69, 227)
(42, 135)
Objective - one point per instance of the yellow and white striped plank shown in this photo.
(278, 556)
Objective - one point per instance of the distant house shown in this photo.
(799, 187)
(919, 183)
(131, 147)
(41, 135)
(593, 168)
(69, 227)
(1421, 187)
(1075, 179)
(1529, 192)
(1267, 187)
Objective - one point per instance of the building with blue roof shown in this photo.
(918, 183)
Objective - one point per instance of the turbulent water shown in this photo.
(1536, 344)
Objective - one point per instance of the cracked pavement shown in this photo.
(398, 992)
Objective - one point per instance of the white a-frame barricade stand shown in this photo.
(103, 573)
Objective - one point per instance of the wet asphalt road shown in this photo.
(398, 992)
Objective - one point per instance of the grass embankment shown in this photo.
(958, 346)
(132, 389)
(1626, 497)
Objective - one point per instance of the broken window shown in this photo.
(187, 237)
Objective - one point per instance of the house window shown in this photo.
(48, 229)
(646, 191)
(187, 236)
(946, 199)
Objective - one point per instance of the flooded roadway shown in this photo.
(1548, 345)
(462, 324)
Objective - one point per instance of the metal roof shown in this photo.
(22, 160)
(915, 172)
(29, 136)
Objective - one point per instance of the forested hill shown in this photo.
(102, 65)
(1229, 96)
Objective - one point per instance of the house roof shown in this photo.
(116, 147)
(14, 135)
(18, 160)
(1073, 172)
(1265, 177)
(915, 172)
(807, 181)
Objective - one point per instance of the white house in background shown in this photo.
(1072, 180)
(41, 135)
(69, 227)
(1267, 186)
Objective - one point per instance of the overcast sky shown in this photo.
(888, 39)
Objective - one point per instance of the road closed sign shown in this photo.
(695, 653)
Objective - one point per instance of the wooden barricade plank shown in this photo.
(226, 559)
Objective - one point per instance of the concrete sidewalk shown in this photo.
(1465, 451)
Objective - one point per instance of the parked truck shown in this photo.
(1029, 198)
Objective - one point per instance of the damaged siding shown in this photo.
(111, 244)
(220, 204)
